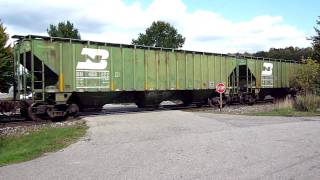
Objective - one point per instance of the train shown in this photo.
(59, 77)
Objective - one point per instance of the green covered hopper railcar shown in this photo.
(65, 75)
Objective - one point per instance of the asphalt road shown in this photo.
(184, 145)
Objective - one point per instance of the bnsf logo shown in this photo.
(91, 54)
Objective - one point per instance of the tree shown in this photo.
(307, 78)
(160, 34)
(64, 30)
(316, 41)
(6, 63)
(289, 53)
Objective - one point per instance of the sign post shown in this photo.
(220, 88)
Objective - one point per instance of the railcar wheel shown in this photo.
(33, 112)
(73, 110)
(213, 102)
(251, 100)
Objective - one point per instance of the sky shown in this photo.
(221, 26)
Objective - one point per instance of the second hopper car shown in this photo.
(65, 76)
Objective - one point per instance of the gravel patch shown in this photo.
(25, 129)
(237, 109)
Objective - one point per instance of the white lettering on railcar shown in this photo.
(267, 75)
(90, 74)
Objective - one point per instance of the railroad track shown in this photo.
(132, 109)
(17, 120)
(12, 118)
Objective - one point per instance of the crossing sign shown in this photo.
(220, 88)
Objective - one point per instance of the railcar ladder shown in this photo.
(39, 83)
(235, 79)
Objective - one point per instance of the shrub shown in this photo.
(308, 103)
(307, 77)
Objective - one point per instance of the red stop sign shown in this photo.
(220, 88)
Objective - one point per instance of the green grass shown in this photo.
(286, 112)
(15, 149)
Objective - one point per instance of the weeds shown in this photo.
(308, 103)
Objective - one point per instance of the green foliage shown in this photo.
(300, 106)
(290, 53)
(6, 62)
(286, 112)
(64, 30)
(307, 78)
(277, 112)
(308, 103)
(15, 149)
(160, 34)
(316, 42)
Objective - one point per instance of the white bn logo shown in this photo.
(267, 69)
(92, 53)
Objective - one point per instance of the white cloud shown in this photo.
(119, 22)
